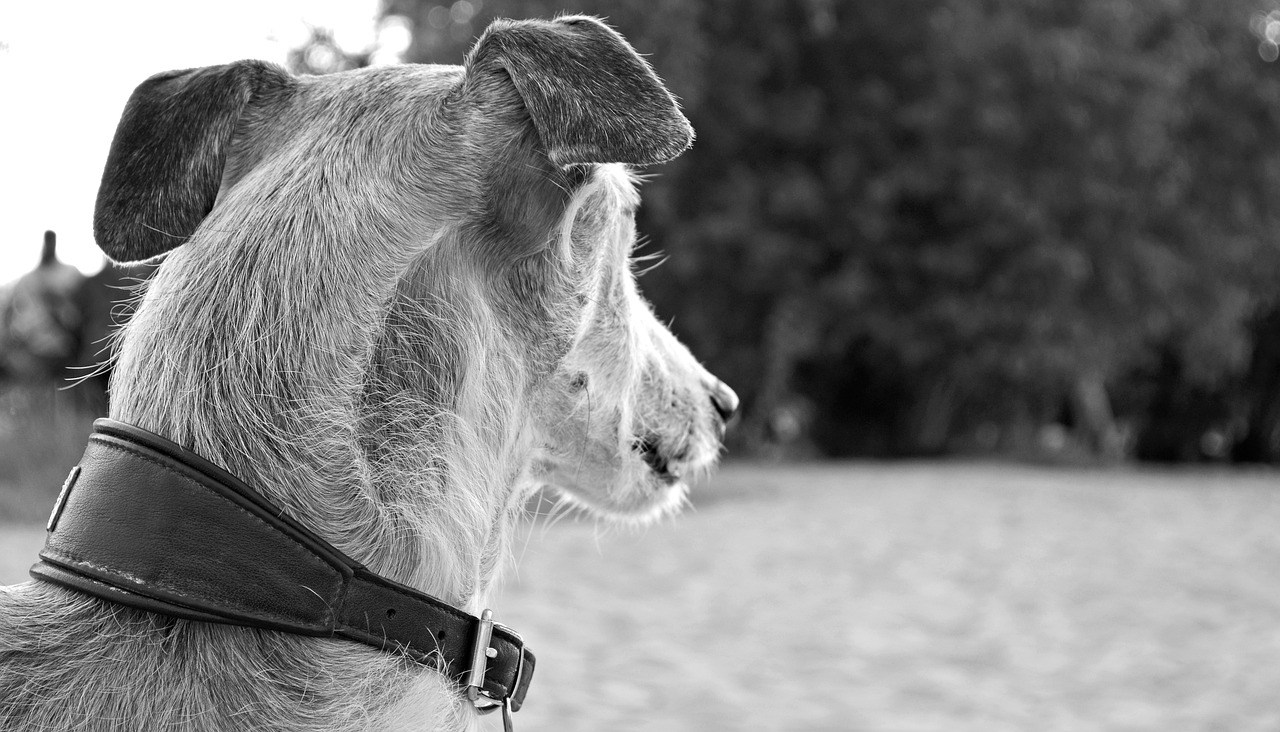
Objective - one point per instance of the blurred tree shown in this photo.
(322, 54)
(1260, 392)
(911, 221)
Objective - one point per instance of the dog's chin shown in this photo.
(636, 492)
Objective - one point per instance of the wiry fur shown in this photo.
(399, 319)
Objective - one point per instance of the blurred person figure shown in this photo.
(40, 319)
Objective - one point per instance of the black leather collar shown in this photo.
(146, 523)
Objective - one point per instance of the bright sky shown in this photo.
(66, 69)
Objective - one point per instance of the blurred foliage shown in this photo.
(322, 54)
(922, 225)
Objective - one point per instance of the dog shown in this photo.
(397, 301)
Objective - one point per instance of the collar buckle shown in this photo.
(481, 652)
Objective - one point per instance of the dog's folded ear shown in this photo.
(591, 97)
(166, 161)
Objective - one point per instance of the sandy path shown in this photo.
(905, 598)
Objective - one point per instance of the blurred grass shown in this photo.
(915, 597)
(904, 597)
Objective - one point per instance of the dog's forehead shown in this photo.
(412, 139)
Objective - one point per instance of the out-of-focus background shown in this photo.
(997, 282)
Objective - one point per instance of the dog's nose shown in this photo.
(723, 399)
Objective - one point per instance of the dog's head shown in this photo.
(469, 232)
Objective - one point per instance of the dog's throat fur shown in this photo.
(142, 522)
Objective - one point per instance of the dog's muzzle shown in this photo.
(146, 523)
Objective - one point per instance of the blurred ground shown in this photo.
(906, 598)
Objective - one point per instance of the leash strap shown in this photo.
(146, 523)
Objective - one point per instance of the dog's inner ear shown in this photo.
(166, 161)
(591, 98)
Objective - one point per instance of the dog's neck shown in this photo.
(392, 431)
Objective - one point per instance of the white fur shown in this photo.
(350, 354)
